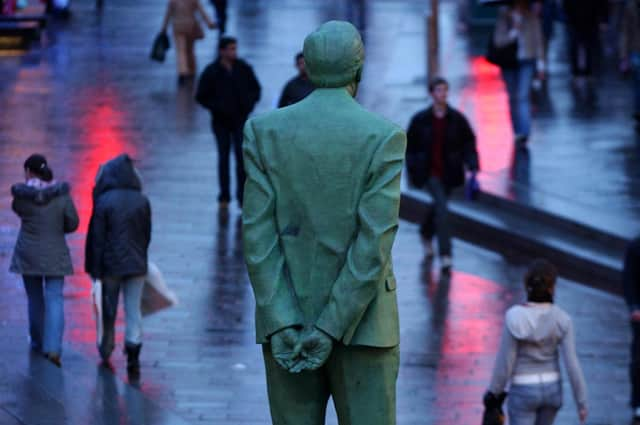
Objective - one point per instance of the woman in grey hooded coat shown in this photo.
(41, 255)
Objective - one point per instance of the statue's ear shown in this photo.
(358, 75)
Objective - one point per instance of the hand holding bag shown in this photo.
(160, 46)
(493, 414)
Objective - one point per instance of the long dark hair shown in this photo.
(37, 165)
(540, 281)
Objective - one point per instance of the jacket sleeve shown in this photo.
(206, 91)
(285, 97)
(276, 303)
(167, 16)
(16, 204)
(502, 34)
(94, 247)
(631, 275)
(570, 358)
(469, 145)
(71, 220)
(17, 207)
(254, 88)
(505, 362)
(368, 258)
(148, 224)
(205, 15)
(416, 157)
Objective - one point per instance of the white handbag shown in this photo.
(156, 295)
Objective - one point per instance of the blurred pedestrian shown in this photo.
(221, 14)
(586, 19)
(519, 23)
(548, 12)
(229, 89)
(535, 334)
(116, 251)
(440, 143)
(630, 50)
(298, 87)
(41, 255)
(183, 17)
(631, 281)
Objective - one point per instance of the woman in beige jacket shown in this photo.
(518, 23)
(182, 14)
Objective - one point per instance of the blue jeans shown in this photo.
(518, 81)
(46, 312)
(132, 288)
(535, 404)
(436, 222)
(635, 67)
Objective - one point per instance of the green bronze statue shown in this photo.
(320, 216)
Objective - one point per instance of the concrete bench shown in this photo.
(18, 35)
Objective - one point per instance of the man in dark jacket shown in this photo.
(229, 89)
(440, 142)
(116, 251)
(585, 20)
(298, 87)
(631, 281)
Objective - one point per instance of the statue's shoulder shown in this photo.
(378, 122)
(268, 119)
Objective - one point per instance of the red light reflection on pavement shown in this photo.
(487, 103)
(470, 337)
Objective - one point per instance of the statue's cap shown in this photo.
(334, 54)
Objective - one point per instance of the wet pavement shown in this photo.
(91, 92)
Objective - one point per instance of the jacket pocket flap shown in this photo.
(391, 283)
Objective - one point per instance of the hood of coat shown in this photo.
(40, 196)
(119, 173)
(535, 322)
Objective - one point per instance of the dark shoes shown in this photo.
(54, 358)
(133, 357)
(521, 141)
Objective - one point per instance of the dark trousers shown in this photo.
(361, 380)
(635, 365)
(221, 14)
(584, 51)
(436, 222)
(227, 138)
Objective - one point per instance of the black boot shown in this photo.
(133, 356)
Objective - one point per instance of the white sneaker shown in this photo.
(636, 413)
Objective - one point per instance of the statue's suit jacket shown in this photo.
(320, 216)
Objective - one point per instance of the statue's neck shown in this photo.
(349, 90)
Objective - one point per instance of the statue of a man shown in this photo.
(320, 217)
